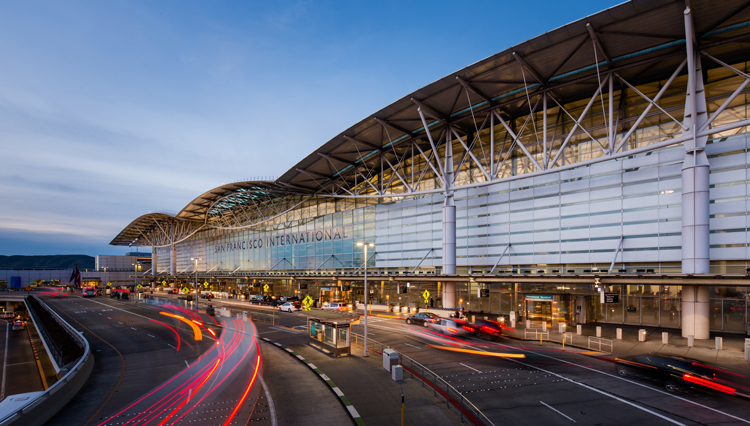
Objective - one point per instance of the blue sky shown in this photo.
(113, 109)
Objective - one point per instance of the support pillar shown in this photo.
(449, 295)
(154, 263)
(172, 260)
(695, 199)
(695, 311)
(449, 214)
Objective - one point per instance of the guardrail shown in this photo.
(600, 343)
(440, 387)
(40, 408)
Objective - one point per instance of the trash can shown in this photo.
(390, 358)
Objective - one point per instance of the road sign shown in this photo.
(426, 295)
(185, 290)
(265, 288)
(163, 283)
(109, 284)
(139, 286)
(205, 284)
(307, 301)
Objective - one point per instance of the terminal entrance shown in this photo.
(538, 311)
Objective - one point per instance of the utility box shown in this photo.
(390, 359)
(397, 373)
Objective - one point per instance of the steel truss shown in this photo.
(535, 132)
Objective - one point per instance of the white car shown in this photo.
(449, 327)
(289, 307)
(8, 315)
(335, 306)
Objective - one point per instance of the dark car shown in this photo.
(488, 329)
(681, 375)
(422, 318)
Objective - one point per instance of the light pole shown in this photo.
(365, 245)
(135, 281)
(196, 259)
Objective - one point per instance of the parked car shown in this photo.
(172, 291)
(336, 306)
(207, 295)
(290, 306)
(422, 318)
(255, 298)
(8, 315)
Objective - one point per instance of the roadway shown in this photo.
(548, 385)
(133, 353)
(20, 371)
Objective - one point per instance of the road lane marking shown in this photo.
(172, 346)
(412, 346)
(133, 328)
(21, 363)
(632, 382)
(151, 336)
(558, 412)
(470, 367)
(271, 407)
(186, 363)
(119, 322)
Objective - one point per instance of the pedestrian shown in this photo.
(432, 303)
(457, 314)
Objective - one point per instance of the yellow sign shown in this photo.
(426, 295)
(139, 286)
(265, 288)
(185, 290)
(307, 301)
(163, 283)
(109, 284)
(205, 284)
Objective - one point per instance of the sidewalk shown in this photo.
(369, 387)
(732, 355)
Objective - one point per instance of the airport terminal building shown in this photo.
(598, 172)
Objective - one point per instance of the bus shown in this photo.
(88, 292)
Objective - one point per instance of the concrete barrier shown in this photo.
(642, 335)
(598, 331)
(41, 406)
(619, 334)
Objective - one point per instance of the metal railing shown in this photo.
(453, 398)
(600, 343)
(535, 333)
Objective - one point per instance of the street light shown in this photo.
(365, 245)
(136, 265)
(196, 259)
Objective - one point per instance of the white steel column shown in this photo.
(449, 295)
(695, 200)
(695, 311)
(172, 260)
(449, 214)
(154, 269)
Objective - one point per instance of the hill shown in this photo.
(62, 261)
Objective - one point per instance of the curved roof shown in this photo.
(227, 196)
(642, 40)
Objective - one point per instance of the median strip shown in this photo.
(335, 389)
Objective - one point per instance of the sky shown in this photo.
(114, 109)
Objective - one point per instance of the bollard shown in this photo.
(641, 335)
(665, 338)
(619, 334)
(528, 323)
(562, 328)
(747, 349)
(544, 325)
(719, 343)
(598, 331)
(473, 318)
(513, 323)
(579, 329)
(244, 316)
(691, 340)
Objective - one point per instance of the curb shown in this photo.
(344, 400)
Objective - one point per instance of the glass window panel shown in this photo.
(734, 315)
(650, 310)
(715, 315)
